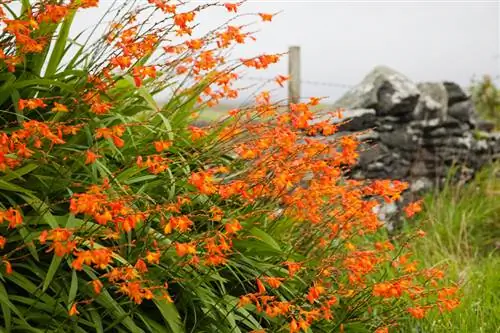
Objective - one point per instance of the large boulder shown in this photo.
(386, 91)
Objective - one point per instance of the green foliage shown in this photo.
(486, 97)
(462, 223)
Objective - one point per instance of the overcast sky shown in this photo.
(341, 41)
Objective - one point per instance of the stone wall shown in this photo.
(415, 132)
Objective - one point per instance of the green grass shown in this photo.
(463, 232)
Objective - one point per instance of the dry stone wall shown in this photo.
(415, 132)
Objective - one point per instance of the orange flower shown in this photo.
(217, 214)
(58, 107)
(260, 287)
(100, 258)
(280, 79)
(314, 292)
(314, 101)
(195, 44)
(292, 267)
(88, 3)
(181, 223)
(181, 70)
(3, 241)
(73, 311)
(182, 19)
(164, 6)
(140, 265)
(244, 300)
(273, 282)
(31, 104)
(162, 145)
(203, 182)
(231, 7)
(294, 326)
(266, 17)
(91, 157)
(184, 249)
(233, 227)
(12, 216)
(53, 13)
(121, 61)
(197, 133)
(97, 285)
(153, 257)
(8, 267)
(413, 208)
(417, 312)
(421, 233)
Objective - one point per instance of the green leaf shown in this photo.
(27, 238)
(42, 82)
(18, 173)
(60, 45)
(7, 186)
(6, 309)
(96, 319)
(6, 304)
(170, 315)
(15, 96)
(140, 179)
(265, 237)
(54, 266)
(73, 288)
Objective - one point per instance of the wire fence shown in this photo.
(305, 82)
(344, 86)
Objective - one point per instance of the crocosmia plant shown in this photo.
(119, 214)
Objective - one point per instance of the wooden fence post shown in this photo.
(294, 74)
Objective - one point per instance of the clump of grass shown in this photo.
(463, 231)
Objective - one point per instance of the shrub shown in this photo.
(486, 99)
(117, 214)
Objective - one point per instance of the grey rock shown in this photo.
(373, 154)
(463, 111)
(358, 120)
(399, 139)
(377, 166)
(455, 93)
(440, 131)
(352, 120)
(369, 136)
(433, 101)
(419, 169)
(383, 89)
(480, 146)
(421, 184)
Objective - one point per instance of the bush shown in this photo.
(118, 214)
(487, 99)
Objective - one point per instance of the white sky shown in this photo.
(341, 41)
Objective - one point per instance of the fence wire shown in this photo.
(308, 82)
